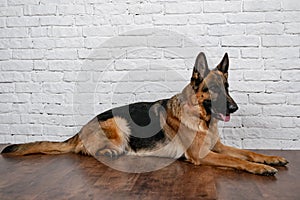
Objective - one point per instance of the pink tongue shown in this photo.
(225, 118)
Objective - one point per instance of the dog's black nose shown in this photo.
(232, 108)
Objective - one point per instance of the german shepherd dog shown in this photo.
(184, 125)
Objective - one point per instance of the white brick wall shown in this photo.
(64, 61)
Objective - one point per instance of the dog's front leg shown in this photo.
(249, 155)
(222, 160)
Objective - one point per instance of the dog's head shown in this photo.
(210, 89)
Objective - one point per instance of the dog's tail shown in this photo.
(68, 146)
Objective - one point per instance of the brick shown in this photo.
(238, 18)
(207, 18)
(94, 42)
(290, 75)
(283, 87)
(265, 28)
(112, 9)
(291, 5)
(121, 20)
(81, 20)
(56, 20)
(39, 31)
(65, 54)
(28, 54)
(126, 41)
(146, 76)
(71, 9)
(270, 144)
(57, 1)
(16, 65)
(240, 41)
(4, 129)
(111, 76)
(11, 11)
(2, 23)
(22, 2)
(252, 64)
(7, 87)
(28, 87)
(249, 110)
(66, 32)
(263, 5)
(59, 130)
(99, 31)
(64, 65)
(221, 6)
(292, 28)
(236, 75)
(293, 99)
(43, 43)
(145, 54)
(76, 76)
(28, 129)
(250, 52)
(165, 41)
(220, 30)
(204, 41)
(5, 54)
(141, 9)
(47, 76)
(46, 98)
(94, 54)
(58, 88)
(291, 63)
(270, 75)
(142, 19)
(9, 119)
(261, 122)
(33, 10)
(280, 53)
(283, 110)
(183, 8)
(6, 77)
(266, 99)
(287, 122)
(22, 21)
(15, 43)
(247, 86)
(170, 20)
(13, 33)
(189, 31)
(40, 65)
(69, 42)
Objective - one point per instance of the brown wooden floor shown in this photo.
(72, 176)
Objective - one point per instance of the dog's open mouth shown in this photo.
(221, 116)
(225, 118)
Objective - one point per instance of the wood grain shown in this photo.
(73, 176)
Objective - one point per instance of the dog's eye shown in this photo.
(205, 89)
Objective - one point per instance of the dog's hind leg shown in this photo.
(105, 138)
(249, 155)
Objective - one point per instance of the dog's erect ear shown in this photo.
(201, 65)
(224, 64)
(200, 70)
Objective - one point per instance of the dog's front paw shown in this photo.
(261, 169)
(110, 153)
(275, 160)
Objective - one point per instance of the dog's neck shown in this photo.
(192, 116)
